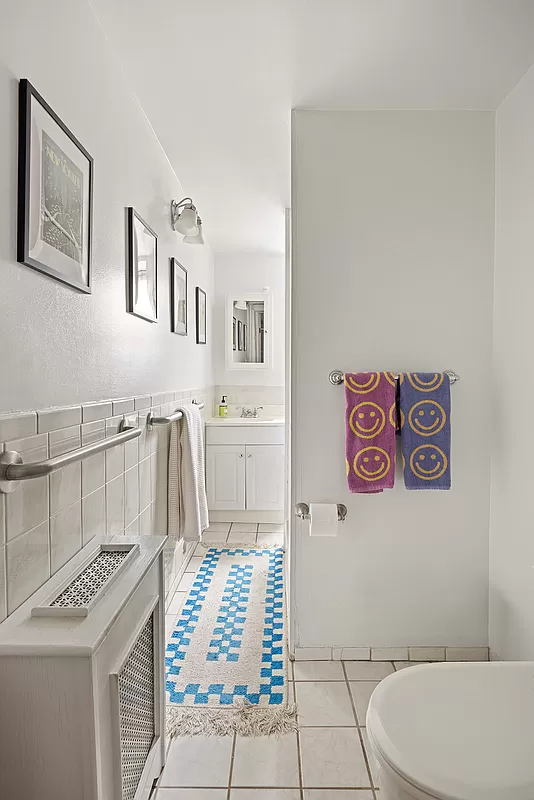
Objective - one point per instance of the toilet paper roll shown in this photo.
(323, 519)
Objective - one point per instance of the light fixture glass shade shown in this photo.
(192, 239)
(241, 305)
(186, 224)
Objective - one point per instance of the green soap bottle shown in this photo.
(223, 406)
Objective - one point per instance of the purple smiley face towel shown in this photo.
(425, 411)
(370, 431)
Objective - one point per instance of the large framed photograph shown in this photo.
(201, 315)
(178, 298)
(142, 268)
(234, 334)
(55, 194)
(239, 335)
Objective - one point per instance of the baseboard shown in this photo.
(415, 654)
(277, 517)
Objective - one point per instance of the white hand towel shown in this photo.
(187, 502)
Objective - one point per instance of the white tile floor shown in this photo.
(328, 759)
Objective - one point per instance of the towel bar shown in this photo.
(151, 420)
(302, 510)
(337, 377)
(13, 470)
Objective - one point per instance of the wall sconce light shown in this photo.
(185, 220)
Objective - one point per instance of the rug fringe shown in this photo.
(246, 721)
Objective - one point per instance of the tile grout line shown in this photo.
(360, 735)
(230, 774)
(297, 733)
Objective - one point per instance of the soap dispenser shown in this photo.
(223, 406)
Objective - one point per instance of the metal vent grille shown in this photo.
(88, 583)
(136, 710)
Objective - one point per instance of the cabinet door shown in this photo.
(265, 477)
(225, 477)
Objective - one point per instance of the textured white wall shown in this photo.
(57, 346)
(393, 224)
(512, 526)
(236, 274)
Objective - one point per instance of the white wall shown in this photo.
(393, 221)
(512, 515)
(58, 346)
(237, 274)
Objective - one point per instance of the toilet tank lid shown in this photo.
(458, 731)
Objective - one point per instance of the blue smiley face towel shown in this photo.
(425, 412)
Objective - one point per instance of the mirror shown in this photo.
(248, 331)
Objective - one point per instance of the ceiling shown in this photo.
(217, 80)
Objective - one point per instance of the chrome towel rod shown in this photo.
(336, 377)
(151, 420)
(13, 470)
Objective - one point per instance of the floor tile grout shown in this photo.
(299, 763)
(266, 788)
(362, 743)
(230, 775)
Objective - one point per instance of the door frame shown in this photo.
(289, 527)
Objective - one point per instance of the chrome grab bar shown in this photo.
(151, 420)
(13, 469)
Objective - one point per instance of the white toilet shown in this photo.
(455, 732)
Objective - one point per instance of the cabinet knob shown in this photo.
(240, 455)
(250, 455)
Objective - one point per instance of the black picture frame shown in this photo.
(234, 334)
(178, 304)
(244, 336)
(43, 242)
(136, 304)
(239, 335)
(200, 301)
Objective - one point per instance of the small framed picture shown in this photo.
(142, 268)
(178, 298)
(234, 333)
(239, 335)
(55, 194)
(201, 315)
(244, 336)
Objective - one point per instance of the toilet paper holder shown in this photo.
(302, 510)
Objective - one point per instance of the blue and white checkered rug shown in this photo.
(228, 648)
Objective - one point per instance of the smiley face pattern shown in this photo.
(425, 407)
(370, 431)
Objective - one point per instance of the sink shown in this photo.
(226, 421)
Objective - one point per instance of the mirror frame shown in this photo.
(254, 297)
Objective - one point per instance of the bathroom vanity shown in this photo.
(81, 678)
(245, 465)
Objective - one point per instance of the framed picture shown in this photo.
(239, 335)
(55, 194)
(234, 333)
(178, 298)
(201, 315)
(142, 268)
(244, 336)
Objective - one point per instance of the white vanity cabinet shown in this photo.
(82, 678)
(225, 477)
(264, 481)
(245, 466)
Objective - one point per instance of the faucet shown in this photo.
(249, 413)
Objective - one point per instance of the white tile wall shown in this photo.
(29, 505)
(272, 398)
(47, 520)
